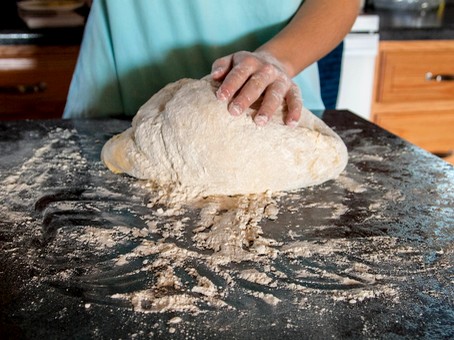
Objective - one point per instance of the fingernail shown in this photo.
(235, 110)
(221, 95)
(216, 71)
(292, 123)
(261, 120)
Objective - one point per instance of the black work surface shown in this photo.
(375, 257)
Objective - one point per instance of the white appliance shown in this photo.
(358, 66)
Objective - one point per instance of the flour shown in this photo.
(255, 276)
(133, 247)
(235, 234)
(229, 228)
(268, 298)
(226, 230)
(351, 185)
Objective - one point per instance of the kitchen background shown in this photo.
(395, 68)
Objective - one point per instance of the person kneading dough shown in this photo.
(184, 139)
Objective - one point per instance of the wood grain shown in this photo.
(405, 103)
(29, 64)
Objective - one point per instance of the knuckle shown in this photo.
(223, 60)
(239, 72)
(216, 64)
(272, 99)
(258, 80)
(246, 97)
(246, 58)
(249, 58)
(276, 95)
(294, 94)
(295, 90)
(242, 53)
(280, 85)
(269, 69)
(282, 78)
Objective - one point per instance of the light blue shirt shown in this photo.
(131, 49)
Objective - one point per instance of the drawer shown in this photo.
(404, 70)
(42, 73)
(433, 131)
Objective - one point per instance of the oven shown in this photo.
(358, 66)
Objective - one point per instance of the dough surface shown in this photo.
(184, 138)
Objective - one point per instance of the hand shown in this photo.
(248, 75)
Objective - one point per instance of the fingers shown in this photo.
(294, 105)
(247, 76)
(273, 98)
(243, 66)
(221, 67)
(253, 89)
(277, 92)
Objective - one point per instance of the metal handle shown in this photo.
(444, 154)
(439, 77)
(24, 89)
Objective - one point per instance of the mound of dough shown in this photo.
(184, 138)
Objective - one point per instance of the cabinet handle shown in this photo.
(444, 154)
(439, 77)
(24, 88)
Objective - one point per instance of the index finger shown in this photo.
(221, 67)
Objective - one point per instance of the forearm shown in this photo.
(317, 28)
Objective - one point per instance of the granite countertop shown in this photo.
(393, 26)
(86, 253)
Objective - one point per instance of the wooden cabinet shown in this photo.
(414, 93)
(34, 80)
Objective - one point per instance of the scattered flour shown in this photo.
(196, 254)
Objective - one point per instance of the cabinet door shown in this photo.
(34, 80)
(431, 130)
(414, 93)
(416, 71)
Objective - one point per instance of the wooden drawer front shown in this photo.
(403, 75)
(52, 67)
(433, 132)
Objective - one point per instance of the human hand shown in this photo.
(248, 75)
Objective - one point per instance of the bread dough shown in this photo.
(185, 139)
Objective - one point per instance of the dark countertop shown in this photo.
(369, 255)
(430, 25)
(50, 36)
(13, 31)
(393, 26)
